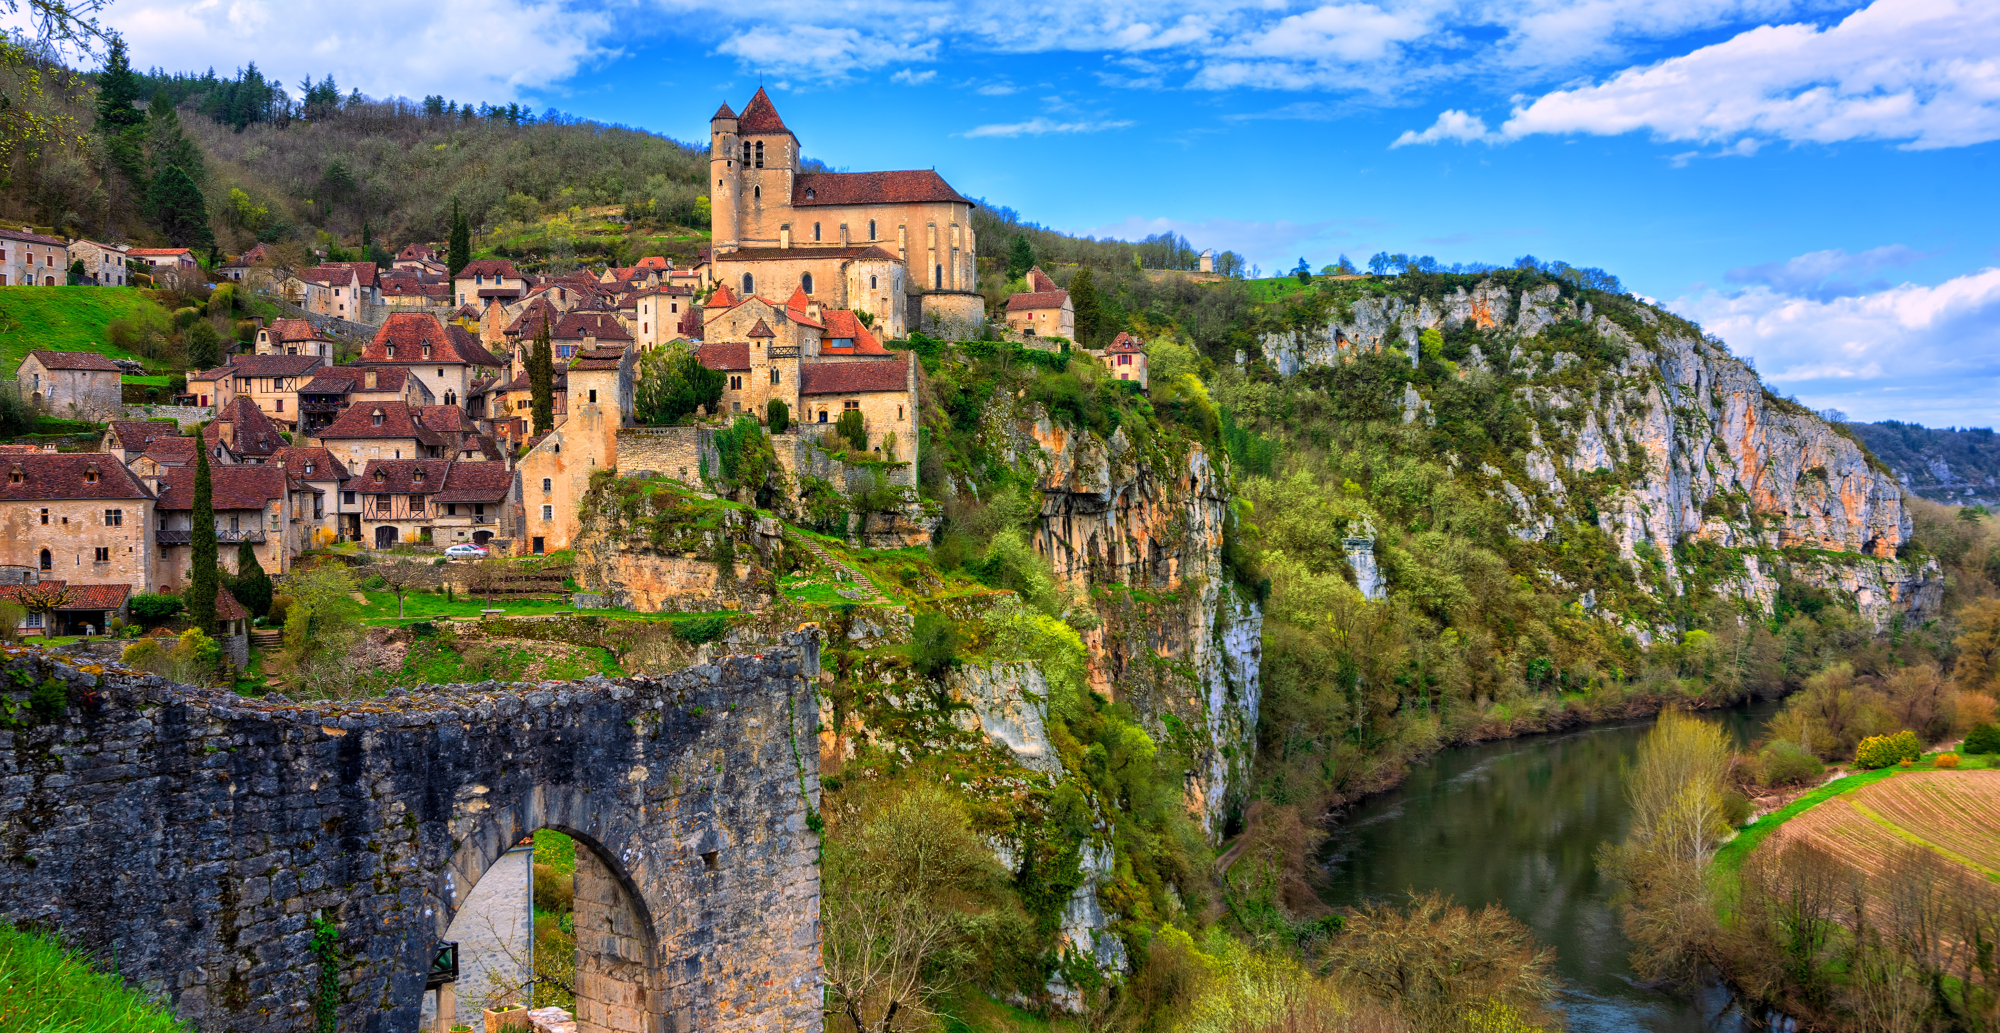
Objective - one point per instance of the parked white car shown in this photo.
(466, 551)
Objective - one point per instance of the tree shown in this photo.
(672, 384)
(1020, 257)
(321, 628)
(542, 381)
(117, 91)
(252, 587)
(458, 253)
(204, 345)
(1083, 300)
(1303, 271)
(778, 415)
(45, 598)
(398, 577)
(1436, 962)
(77, 273)
(167, 145)
(1979, 645)
(851, 427)
(203, 580)
(179, 208)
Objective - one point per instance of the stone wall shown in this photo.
(184, 416)
(678, 452)
(194, 836)
(952, 315)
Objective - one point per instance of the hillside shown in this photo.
(1960, 466)
(66, 319)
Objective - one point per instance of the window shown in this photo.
(281, 405)
(806, 279)
(451, 509)
(852, 403)
(34, 619)
(899, 412)
(538, 546)
(235, 523)
(102, 555)
(815, 232)
(548, 485)
(416, 503)
(736, 383)
(382, 502)
(871, 231)
(48, 561)
(377, 418)
(45, 516)
(822, 416)
(871, 283)
(479, 509)
(756, 193)
(1124, 360)
(939, 275)
(548, 512)
(593, 394)
(760, 154)
(347, 498)
(774, 375)
(114, 518)
(746, 152)
(749, 284)
(90, 475)
(309, 467)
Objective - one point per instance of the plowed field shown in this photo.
(1953, 813)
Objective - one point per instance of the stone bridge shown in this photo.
(192, 838)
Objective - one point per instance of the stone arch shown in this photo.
(620, 982)
(386, 536)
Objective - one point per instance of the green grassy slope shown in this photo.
(62, 319)
(43, 987)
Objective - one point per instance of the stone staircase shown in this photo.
(860, 580)
(268, 638)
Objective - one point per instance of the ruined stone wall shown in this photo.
(193, 835)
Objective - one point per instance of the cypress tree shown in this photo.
(1083, 299)
(459, 252)
(1020, 257)
(203, 581)
(252, 587)
(542, 381)
(180, 209)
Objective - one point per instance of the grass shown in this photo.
(1729, 859)
(63, 319)
(159, 381)
(432, 662)
(46, 989)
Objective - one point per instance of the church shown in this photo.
(895, 245)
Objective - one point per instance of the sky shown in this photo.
(1811, 181)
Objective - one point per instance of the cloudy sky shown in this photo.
(1813, 181)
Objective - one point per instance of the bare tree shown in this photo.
(1437, 963)
(398, 577)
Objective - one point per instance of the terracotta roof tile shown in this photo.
(419, 476)
(842, 324)
(759, 116)
(254, 434)
(227, 608)
(721, 356)
(723, 296)
(273, 365)
(230, 487)
(902, 187)
(90, 361)
(404, 336)
(294, 330)
(171, 451)
(1039, 300)
(723, 112)
(46, 476)
(762, 329)
(358, 421)
(135, 435)
(81, 597)
(477, 482)
(324, 464)
(1125, 342)
(846, 378)
(489, 267)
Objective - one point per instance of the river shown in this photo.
(1519, 822)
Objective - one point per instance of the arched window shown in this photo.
(815, 231)
(811, 193)
(871, 229)
(871, 283)
(746, 152)
(749, 284)
(757, 193)
(760, 154)
(806, 282)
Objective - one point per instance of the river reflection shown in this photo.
(1519, 822)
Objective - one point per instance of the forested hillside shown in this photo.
(1959, 465)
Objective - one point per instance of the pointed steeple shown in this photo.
(760, 117)
(723, 112)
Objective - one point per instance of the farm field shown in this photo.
(1955, 814)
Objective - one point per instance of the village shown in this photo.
(427, 440)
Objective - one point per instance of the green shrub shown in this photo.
(707, 628)
(1880, 751)
(1735, 808)
(934, 645)
(779, 415)
(153, 610)
(373, 583)
(1788, 763)
(1983, 739)
(850, 426)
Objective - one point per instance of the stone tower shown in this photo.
(722, 206)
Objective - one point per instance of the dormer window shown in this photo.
(377, 417)
(14, 475)
(417, 475)
(427, 351)
(392, 351)
(378, 477)
(309, 467)
(810, 194)
(90, 474)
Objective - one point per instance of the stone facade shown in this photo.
(196, 836)
(75, 385)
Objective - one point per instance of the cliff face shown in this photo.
(1678, 443)
(1141, 530)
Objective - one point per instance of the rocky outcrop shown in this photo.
(1678, 441)
(1008, 703)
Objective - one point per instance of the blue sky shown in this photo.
(1812, 181)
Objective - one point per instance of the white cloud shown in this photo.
(1451, 125)
(997, 89)
(1925, 72)
(483, 51)
(823, 54)
(1925, 353)
(912, 77)
(1826, 274)
(1042, 126)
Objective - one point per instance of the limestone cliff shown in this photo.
(1142, 530)
(1659, 438)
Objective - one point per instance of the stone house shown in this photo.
(657, 313)
(78, 517)
(208, 386)
(415, 292)
(769, 218)
(1043, 310)
(238, 269)
(443, 355)
(345, 290)
(30, 259)
(334, 388)
(85, 609)
(165, 259)
(444, 501)
(127, 440)
(262, 505)
(473, 504)
(79, 385)
(103, 264)
(555, 473)
(488, 279)
(245, 431)
(270, 381)
(1126, 358)
(294, 337)
(419, 258)
(373, 431)
(334, 509)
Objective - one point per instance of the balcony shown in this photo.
(185, 536)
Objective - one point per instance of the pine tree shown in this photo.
(459, 252)
(1083, 299)
(203, 580)
(541, 381)
(1020, 257)
(167, 144)
(117, 92)
(179, 208)
(252, 587)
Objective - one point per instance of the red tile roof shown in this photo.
(81, 597)
(413, 253)
(421, 476)
(227, 608)
(47, 476)
(653, 262)
(255, 434)
(722, 112)
(358, 421)
(762, 329)
(803, 252)
(847, 378)
(135, 435)
(577, 325)
(489, 267)
(154, 251)
(1039, 282)
(325, 466)
(476, 482)
(725, 356)
(90, 361)
(294, 330)
(171, 451)
(904, 187)
(409, 332)
(273, 365)
(1037, 300)
(231, 487)
(1125, 342)
(760, 117)
(844, 325)
(723, 296)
